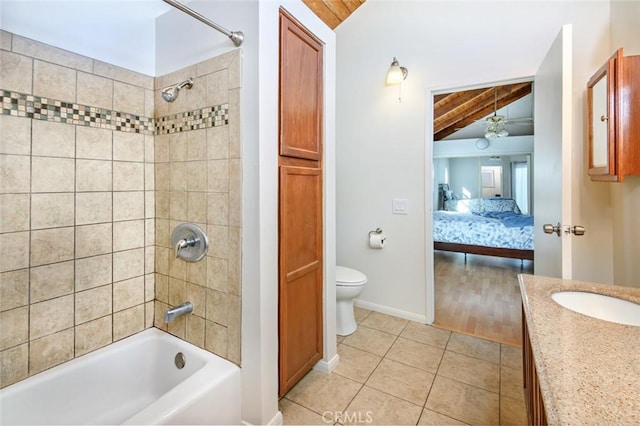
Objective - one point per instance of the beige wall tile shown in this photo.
(235, 261)
(162, 177)
(177, 267)
(14, 365)
(149, 148)
(218, 176)
(195, 330)
(163, 234)
(6, 39)
(162, 260)
(52, 210)
(235, 192)
(162, 288)
(218, 241)
(149, 103)
(51, 139)
(234, 329)
(14, 327)
(150, 232)
(128, 176)
(197, 272)
(93, 207)
(178, 176)
(149, 287)
(14, 289)
(14, 212)
(178, 327)
(52, 174)
(15, 137)
(50, 316)
(196, 145)
(159, 309)
(92, 240)
(128, 264)
(128, 146)
(54, 81)
(198, 296)
(93, 143)
(149, 259)
(50, 351)
(161, 146)
(217, 308)
(94, 175)
(178, 147)
(215, 339)
(95, 91)
(128, 235)
(235, 70)
(49, 53)
(14, 174)
(196, 175)
(93, 271)
(52, 245)
(128, 205)
(93, 335)
(51, 281)
(16, 72)
(235, 138)
(218, 209)
(128, 98)
(118, 73)
(128, 322)
(128, 293)
(177, 291)
(149, 204)
(149, 314)
(14, 251)
(92, 304)
(218, 274)
(218, 87)
(178, 206)
(196, 97)
(218, 143)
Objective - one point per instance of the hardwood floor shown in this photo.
(480, 296)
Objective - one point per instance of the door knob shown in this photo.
(550, 229)
(577, 230)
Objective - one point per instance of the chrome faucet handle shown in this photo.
(189, 242)
(183, 243)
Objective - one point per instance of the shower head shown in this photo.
(170, 93)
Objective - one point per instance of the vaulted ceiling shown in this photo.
(333, 12)
(454, 111)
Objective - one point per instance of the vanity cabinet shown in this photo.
(536, 414)
(614, 119)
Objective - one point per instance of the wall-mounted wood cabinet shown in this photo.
(614, 119)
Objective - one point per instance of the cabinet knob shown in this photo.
(603, 118)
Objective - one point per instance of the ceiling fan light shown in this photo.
(491, 134)
(502, 133)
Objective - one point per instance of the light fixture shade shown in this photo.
(396, 73)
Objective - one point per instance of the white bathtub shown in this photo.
(133, 381)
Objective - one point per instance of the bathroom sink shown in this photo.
(600, 306)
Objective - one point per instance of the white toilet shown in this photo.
(349, 285)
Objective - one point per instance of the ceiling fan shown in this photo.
(496, 124)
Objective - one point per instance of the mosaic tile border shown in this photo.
(39, 108)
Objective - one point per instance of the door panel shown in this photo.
(552, 157)
(301, 99)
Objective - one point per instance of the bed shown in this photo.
(486, 226)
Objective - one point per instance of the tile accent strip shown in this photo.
(23, 105)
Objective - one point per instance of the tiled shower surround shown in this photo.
(95, 172)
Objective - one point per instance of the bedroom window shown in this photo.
(520, 185)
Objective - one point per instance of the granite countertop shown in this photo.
(588, 369)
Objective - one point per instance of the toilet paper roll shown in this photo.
(376, 240)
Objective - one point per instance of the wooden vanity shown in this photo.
(578, 370)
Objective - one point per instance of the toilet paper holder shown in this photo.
(377, 231)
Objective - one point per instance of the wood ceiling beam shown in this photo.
(333, 12)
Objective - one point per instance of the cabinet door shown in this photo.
(601, 92)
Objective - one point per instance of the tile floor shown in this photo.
(398, 372)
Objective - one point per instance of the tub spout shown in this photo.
(178, 311)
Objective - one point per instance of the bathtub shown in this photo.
(133, 381)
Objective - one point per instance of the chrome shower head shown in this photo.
(170, 93)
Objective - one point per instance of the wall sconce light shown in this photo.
(396, 75)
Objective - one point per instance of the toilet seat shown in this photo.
(347, 277)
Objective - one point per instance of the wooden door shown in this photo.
(300, 202)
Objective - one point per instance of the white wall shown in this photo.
(465, 177)
(381, 143)
(625, 197)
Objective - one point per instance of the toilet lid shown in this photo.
(348, 276)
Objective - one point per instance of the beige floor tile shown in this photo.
(361, 314)
(511, 384)
(511, 357)
(464, 402)
(424, 333)
(322, 392)
(415, 354)
(386, 323)
(403, 381)
(431, 418)
(356, 364)
(339, 339)
(373, 407)
(512, 411)
(294, 414)
(469, 370)
(370, 340)
(475, 347)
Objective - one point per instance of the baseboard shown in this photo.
(277, 420)
(327, 367)
(390, 311)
